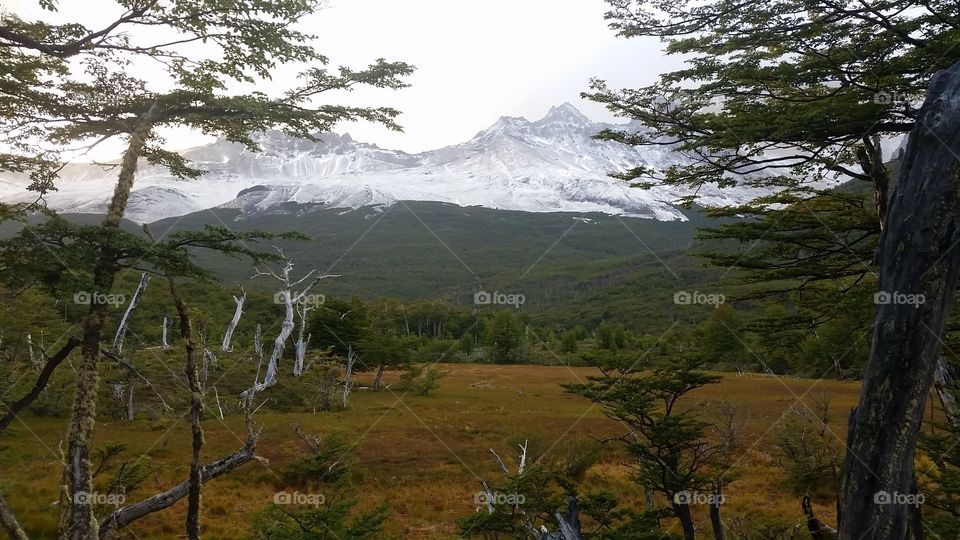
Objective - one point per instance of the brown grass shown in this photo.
(421, 455)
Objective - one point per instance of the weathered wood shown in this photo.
(228, 335)
(125, 321)
(134, 372)
(9, 522)
(163, 336)
(917, 257)
(289, 298)
(128, 514)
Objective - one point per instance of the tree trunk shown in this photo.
(715, 522)
(351, 358)
(378, 379)
(258, 341)
(686, 520)
(128, 514)
(945, 382)
(196, 414)
(125, 321)
(77, 519)
(163, 338)
(9, 522)
(130, 379)
(918, 274)
(228, 335)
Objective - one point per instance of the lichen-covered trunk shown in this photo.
(918, 275)
(196, 414)
(78, 521)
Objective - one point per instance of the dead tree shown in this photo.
(134, 373)
(163, 336)
(258, 341)
(33, 360)
(918, 260)
(348, 374)
(228, 335)
(110, 525)
(125, 321)
(289, 296)
(301, 345)
(9, 522)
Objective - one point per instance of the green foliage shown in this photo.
(940, 480)
(505, 337)
(327, 462)
(808, 450)
(421, 379)
(669, 445)
(333, 520)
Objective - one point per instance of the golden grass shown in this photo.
(421, 455)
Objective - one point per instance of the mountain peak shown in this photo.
(565, 113)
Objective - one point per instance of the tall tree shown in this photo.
(798, 96)
(66, 84)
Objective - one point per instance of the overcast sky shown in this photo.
(476, 61)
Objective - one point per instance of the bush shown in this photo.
(421, 379)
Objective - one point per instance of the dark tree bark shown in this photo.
(715, 522)
(917, 257)
(379, 378)
(52, 363)
(818, 530)
(686, 520)
(196, 414)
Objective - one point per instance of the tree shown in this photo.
(67, 84)
(381, 352)
(671, 451)
(505, 336)
(800, 92)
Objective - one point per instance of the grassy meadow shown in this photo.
(422, 455)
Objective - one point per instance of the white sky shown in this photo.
(476, 61)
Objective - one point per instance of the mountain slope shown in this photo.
(550, 165)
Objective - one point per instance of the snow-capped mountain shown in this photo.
(550, 165)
